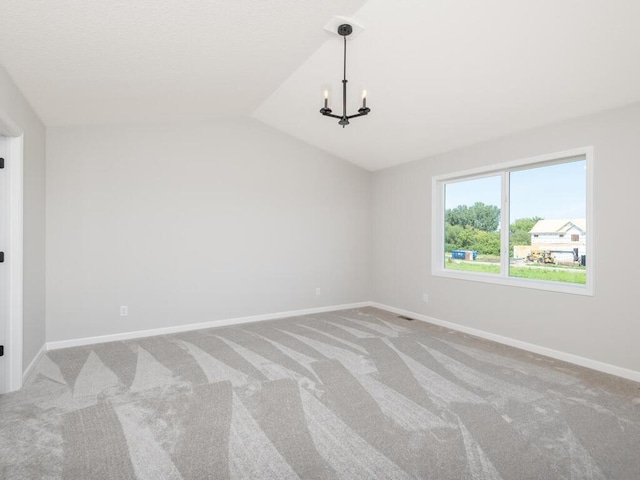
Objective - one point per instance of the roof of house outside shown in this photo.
(559, 225)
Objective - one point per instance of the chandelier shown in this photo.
(344, 30)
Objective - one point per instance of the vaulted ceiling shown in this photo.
(130, 61)
(440, 74)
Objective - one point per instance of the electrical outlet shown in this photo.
(318, 292)
(425, 298)
(124, 311)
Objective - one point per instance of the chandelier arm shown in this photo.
(331, 115)
(362, 114)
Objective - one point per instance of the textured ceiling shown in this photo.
(440, 74)
(444, 74)
(87, 62)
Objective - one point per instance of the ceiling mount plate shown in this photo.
(335, 24)
(345, 29)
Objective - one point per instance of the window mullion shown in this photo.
(504, 228)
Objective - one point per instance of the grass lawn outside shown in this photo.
(569, 275)
(473, 267)
(538, 272)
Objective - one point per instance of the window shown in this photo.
(507, 223)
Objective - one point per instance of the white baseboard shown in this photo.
(34, 362)
(76, 342)
(529, 347)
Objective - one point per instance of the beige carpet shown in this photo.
(350, 394)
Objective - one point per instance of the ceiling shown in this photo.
(113, 61)
(440, 74)
(444, 74)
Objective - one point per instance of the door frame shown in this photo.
(13, 140)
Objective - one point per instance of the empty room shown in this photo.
(348, 239)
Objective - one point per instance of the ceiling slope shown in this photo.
(439, 74)
(442, 75)
(117, 61)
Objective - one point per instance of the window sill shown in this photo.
(498, 279)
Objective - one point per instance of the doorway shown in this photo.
(11, 177)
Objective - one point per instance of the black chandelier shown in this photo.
(344, 30)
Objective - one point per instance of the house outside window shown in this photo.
(521, 223)
(549, 235)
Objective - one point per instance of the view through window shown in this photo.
(547, 224)
(545, 205)
(472, 225)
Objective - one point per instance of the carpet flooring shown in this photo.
(350, 394)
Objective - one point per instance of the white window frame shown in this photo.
(503, 169)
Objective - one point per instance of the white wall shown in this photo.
(605, 327)
(194, 223)
(15, 109)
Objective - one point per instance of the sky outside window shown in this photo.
(550, 192)
(468, 192)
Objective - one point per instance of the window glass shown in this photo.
(547, 207)
(472, 225)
